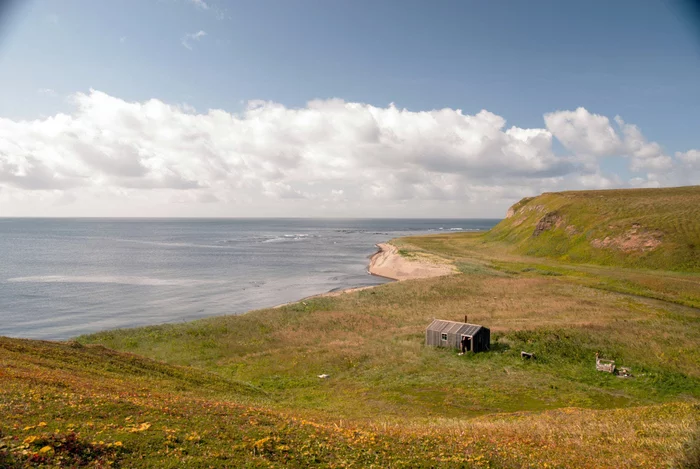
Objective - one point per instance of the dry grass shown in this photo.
(390, 401)
(63, 406)
(371, 343)
(620, 438)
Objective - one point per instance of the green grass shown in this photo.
(371, 343)
(68, 406)
(244, 391)
(585, 219)
(472, 252)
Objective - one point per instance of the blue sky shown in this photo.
(518, 60)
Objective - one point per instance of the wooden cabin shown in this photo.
(441, 333)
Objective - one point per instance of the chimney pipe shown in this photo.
(465, 318)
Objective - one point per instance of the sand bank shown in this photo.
(387, 262)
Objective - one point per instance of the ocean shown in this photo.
(60, 278)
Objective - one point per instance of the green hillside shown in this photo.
(68, 405)
(346, 380)
(647, 228)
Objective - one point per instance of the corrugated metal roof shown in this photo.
(453, 327)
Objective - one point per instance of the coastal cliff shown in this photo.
(646, 228)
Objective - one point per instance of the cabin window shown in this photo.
(443, 336)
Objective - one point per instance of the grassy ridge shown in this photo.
(371, 343)
(244, 391)
(66, 406)
(62, 405)
(648, 228)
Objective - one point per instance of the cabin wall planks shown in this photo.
(442, 333)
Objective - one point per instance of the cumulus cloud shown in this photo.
(189, 37)
(690, 158)
(644, 155)
(585, 133)
(143, 158)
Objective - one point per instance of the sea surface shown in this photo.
(60, 278)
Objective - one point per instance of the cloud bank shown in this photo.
(110, 157)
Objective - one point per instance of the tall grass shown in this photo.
(689, 455)
(64, 406)
(244, 391)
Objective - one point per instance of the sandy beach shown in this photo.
(387, 262)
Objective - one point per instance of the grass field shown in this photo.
(371, 343)
(65, 406)
(244, 391)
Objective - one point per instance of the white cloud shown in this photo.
(583, 132)
(690, 158)
(122, 39)
(219, 12)
(597, 180)
(200, 4)
(189, 37)
(644, 155)
(150, 158)
(644, 182)
(591, 134)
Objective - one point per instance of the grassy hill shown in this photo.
(384, 380)
(649, 228)
(244, 391)
(67, 405)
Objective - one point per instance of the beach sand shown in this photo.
(387, 262)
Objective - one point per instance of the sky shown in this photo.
(317, 108)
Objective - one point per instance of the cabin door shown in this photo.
(467, 341)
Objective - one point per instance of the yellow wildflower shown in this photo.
(143, 427)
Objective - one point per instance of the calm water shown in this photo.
(60, 278)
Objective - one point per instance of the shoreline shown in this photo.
(389, 264)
